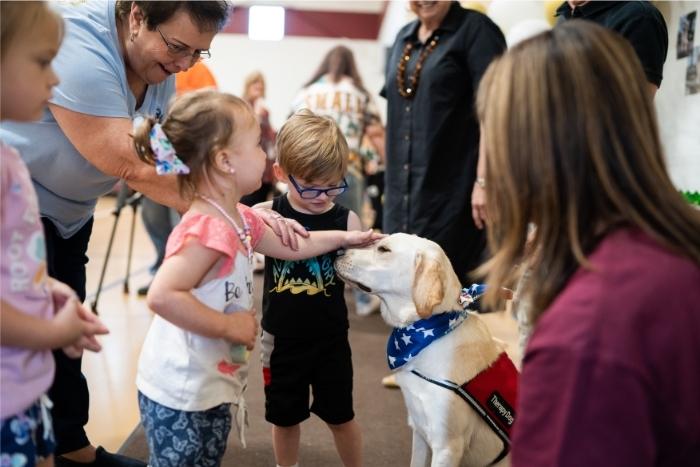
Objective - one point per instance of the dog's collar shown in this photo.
(406, 343)
(470, 297)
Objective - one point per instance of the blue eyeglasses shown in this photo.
(311, 193)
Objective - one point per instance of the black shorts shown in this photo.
(291, 366)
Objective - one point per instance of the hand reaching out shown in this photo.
(359, 239)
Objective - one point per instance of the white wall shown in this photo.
(396, 15)
(287, 65)
(678, 114)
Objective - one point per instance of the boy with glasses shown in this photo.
(305, 324)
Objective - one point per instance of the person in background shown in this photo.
(610, 374)
(375, 138)
(198, 76)
(336, 90)
(645, 29)
(640, 22)
(158, 219)
(193, 366)
(37, 313)
(254, 94)
(432, 140)
(117, 60)
(305, 319)
(432, 134)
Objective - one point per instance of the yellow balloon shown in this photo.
(478, 6)
(550, 7)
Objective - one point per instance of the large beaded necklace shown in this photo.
(410, 91)
(243, 234)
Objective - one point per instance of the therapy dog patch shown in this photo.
(496, 391)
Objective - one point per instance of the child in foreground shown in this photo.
(38, 313)
(193, 365)
(305, 319)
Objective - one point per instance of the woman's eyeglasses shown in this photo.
(180, 51)
(311, 193)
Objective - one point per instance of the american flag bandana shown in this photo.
(406, 343)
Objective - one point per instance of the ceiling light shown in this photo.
(266, 23)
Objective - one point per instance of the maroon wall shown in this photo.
(313, 23)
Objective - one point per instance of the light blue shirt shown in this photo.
(93, 81)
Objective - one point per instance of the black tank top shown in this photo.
(304, 298)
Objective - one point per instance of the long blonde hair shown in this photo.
(253, 77)
(572, 146)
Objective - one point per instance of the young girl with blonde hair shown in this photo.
(193, 366)
(38, 313)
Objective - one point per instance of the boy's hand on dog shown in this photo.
(242, 328)
(359, 239)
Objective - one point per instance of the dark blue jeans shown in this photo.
(66, 259)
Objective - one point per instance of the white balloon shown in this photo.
(525, 30)
(507, 13)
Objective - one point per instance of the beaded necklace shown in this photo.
(243, 234)
(410, 91)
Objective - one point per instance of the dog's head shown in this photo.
(411, 275)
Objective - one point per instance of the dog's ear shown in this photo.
(428, 289)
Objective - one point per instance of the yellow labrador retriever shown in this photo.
(416, 284)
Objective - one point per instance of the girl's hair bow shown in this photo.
(166, 160)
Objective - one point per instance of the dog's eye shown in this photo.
(383, 249)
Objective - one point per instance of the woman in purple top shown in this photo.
(611, 375)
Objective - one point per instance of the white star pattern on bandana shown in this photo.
(406, 343)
